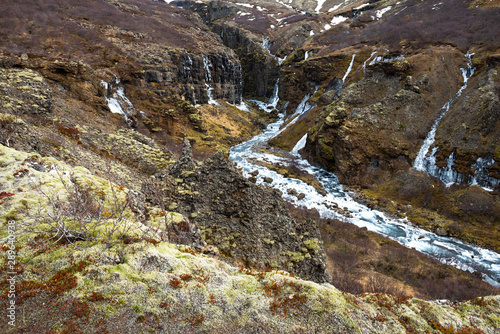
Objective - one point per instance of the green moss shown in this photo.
(494, 319)
(326, 151)
(312, 244)
(294, 256)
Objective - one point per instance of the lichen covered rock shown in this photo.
(250, 223)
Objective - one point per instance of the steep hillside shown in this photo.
(111, 272)
(142, 65)
(136, 209)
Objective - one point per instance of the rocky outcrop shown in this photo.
(196, 74)
(185, 161)
(471, 129)
(197, 77)
(260, 69)
(249, 223)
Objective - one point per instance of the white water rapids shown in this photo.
(447, 250)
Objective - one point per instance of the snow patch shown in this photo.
(382, 11)
(338, 19)
(320, 5)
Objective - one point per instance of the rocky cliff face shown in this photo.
(376, 125)
(471, 129)
(260, 70)
(200, 78)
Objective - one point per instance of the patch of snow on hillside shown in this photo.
(382, 11)
(320, 5)
(436, 6)
(338, 19)
(334, 8)
(362, 6)
(244, 5)
(284, 4)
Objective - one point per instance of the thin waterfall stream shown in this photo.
(426, 157)
(338, 204)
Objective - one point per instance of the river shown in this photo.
(448, 250)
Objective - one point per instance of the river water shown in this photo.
(249, 156)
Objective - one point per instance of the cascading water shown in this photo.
(266, 45)
(207, 65)
(426, 161)
(302, 109)
(423, 161)
(300, 145)
(349, 68)
(117, 102)
(448, 175)
(481, 177)
(371, 55)
(272, 102)
(448, 250)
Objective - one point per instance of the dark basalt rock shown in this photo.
(250, 223)
(185, 162)
(191, 76)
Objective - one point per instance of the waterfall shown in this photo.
(302, 109)
(481, 177)
(349, 69)
(300, 145)
(187, 66)
(273, 100)
(371, 55)
(266, 45)
(240, 95)
(307, 54)
(118, 103)
(448, 175)
(194, 100)
(425, 161)
(207, 65)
